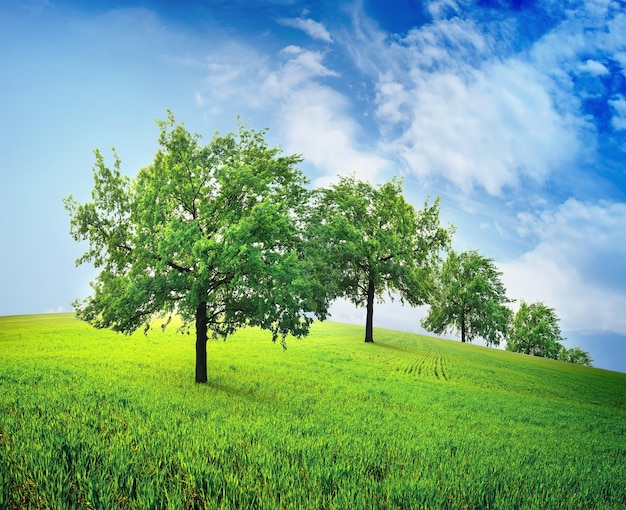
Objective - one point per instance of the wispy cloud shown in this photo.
(315, 119)
(312, 28)
(310, 115)
(232, 74)
(439, 9)
(315, 122)
(489, 128)
(298, 68)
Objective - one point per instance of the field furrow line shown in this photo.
(429, 365)
(439, 367)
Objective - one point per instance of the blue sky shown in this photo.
(513, 112)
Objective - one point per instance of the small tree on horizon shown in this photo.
(469, 299)
(535, 330)
(575, 355)
(212, 233)
(371, 240)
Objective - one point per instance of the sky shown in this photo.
(512, 111)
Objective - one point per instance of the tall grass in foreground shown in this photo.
(91, 419)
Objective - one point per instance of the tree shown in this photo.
(535, 331)
(371, 240)
(470, 299)
(575, 355)
(212, 233)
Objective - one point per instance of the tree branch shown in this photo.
(178, 268)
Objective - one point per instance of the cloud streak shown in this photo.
(312, 28)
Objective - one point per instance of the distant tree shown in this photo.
(536, 331)
(469, 299)
(371, 240)
(575, 355)
(212, 233)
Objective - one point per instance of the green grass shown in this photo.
(91, 419)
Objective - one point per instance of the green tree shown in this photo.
(370, 240)
(470, 299)
(536, 331)
(210, 232)
(575, 355)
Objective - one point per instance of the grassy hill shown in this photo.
(92, 419)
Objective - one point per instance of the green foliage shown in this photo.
(535, 331)
(210, 232)
(470, 299)
(373, 241)
(575, 355)
(90, 419)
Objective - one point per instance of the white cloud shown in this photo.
(594, 68)
(442, 8)
(576, 267)
(595, 29)
(36, 6)
(620, 57)
(300, 67)
(391, 98)
(487, 128)
(312, 28)
(200, 99)
(619, 107)
(232, 76)
(314, 119)
(448, 45)
(310, 116)
(313, 125)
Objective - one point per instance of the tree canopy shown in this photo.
(536, 331)
(210, 232)
(575, 355)
(374, 241)
(469, 299)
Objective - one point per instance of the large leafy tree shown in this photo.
(371, 240)
(210, 232)
(470, 299)
(536, 331)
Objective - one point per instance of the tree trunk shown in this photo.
(369, 321)
(463, 330)
(201, 339)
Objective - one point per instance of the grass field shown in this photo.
(91, 419)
